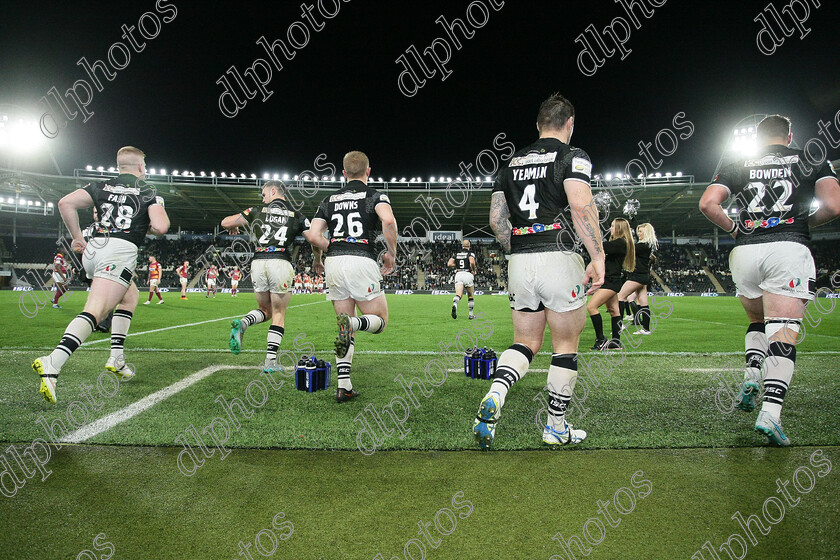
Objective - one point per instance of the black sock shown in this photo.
(616, 327)
(598, 323)
(622, 309)
(644, 310)
(634, 311)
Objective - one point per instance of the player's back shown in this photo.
(275, 226)
(773, 194)
(122, 205)
(462, 260)
(352, 220)
(533, 186)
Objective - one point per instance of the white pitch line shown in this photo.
(190, 324)
(632, 353)
(707, 370)
(731, 325)
(107, 422)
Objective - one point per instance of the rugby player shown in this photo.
(465, 270)
(547, 284)
(154, 280)
(771, 264)
(274, 225)
(61, 278)
(235, 277)
(128, 208)
(350, 218)
(183, 275)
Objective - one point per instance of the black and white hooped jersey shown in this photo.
(122, 207)
(533, 187)
(462, 261)
(352, 221)
(773, 194)
(274, 227)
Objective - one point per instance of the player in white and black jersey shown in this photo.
(127, 208)
(350, 219)
(465, 270)
(542, 186)
(771, 263)
(273, 227)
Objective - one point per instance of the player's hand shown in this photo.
(78, 245)
(387, 264)
(595, 274)
(233, 231)
(318, 267)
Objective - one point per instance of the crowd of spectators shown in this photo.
(679, 266)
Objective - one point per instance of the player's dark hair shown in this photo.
(554, 112)
(773, 126)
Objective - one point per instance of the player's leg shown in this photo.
(596, 300)
(279, 304)
(183, 288)
(157, 292)
(513, 364)
(151, 293)
(344, 309)
(120, 323)
(471, 300)
(254, 317)
(783, 320)
(562, 375)
(755, 352)
(459, 293)
(104, 295)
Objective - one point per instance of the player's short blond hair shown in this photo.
(465, 244)
(356, 164)
(128, 156)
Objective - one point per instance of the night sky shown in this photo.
(340, 90)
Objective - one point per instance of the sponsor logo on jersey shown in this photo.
(110, 268)
(120, 189)
(532, 159)
(794, 282)
(384, 198)
(768, 223)
(348, 196)
(371, 288)
(771, 160)
(581, 165)
(536, 228)
(576, 291)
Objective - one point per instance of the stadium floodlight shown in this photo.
(679, 173)
(242, 176)
(449, 179)
(49, 204)
(332, 178)
(341, 179)
(285, 176)
(275, 176)
(212, 173)
(89, 167)
(163, 171)
(668, 174)
(224, 175)
(658, 174)
(296, 177)
(431, 179)
(618, 175)
(29, 203)
(266, 176)
(175, 172)
(380, 180)
(37, 203)
(609, 177)
(253, 176)
(100, 169)
(393, 179)
(489, 179)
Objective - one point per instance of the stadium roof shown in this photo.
(198, 204)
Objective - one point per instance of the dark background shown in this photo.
(340, 91)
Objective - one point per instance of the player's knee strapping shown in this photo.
(343, 365)
(471, 303)
(562, 376)
(513, 365)
(755, 343)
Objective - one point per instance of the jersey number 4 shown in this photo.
(354, 225)
(757, 203)
(279, 235)
(528, 202)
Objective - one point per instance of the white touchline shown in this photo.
(109, 421)
(190, 324)
(25, 349)
(740, 326)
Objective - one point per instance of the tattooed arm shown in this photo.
(499, 219)
(585, 218)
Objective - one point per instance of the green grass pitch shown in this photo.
(656, 409)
